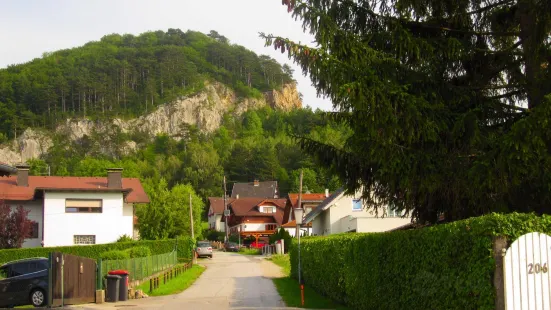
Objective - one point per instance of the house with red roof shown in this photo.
(309, 201)
(255, 217)
(216, 212)
(73, 210)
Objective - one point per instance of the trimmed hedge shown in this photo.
(185, 248)
(448, 266)
(115, 255)
(138, 251)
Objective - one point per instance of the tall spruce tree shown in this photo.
(448, 100)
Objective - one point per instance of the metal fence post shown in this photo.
(99, 275)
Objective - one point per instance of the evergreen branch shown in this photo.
(516, 92)
(491, 6)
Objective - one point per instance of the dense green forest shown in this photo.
(127, 75)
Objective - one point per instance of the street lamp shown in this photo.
(299, 213)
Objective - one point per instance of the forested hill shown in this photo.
(127, 75)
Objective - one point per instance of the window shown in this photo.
(34, 231)
(84, 239)
(270, 227)
(356, 205)
(269, 209)
(19, 269)
(83, 205)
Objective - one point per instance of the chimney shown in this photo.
(114, 178)
(326, 192)
(256, 182)
(22, 175)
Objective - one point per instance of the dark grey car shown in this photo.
(24, 282)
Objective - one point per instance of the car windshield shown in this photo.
(203, 244)
(3, 273)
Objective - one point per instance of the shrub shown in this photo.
(282, 234)
(184, 245)
(138, 251)
(448, 266)
(125, 238)
(115, 255)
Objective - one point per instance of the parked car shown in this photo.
(204, 249)
(231, 247)
(24, 282)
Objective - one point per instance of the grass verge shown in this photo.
(252, 251)
(289, 289)
(176, 285)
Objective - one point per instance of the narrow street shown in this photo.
(231, 281)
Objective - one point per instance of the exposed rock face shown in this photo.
(31, 144)
(204, 110)
(286, 99)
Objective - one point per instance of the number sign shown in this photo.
(527, 275)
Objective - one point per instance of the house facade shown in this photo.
(74, 210)
(341, 213)
(216, 212)
(309, 202)
(255, 217)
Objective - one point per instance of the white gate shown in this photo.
(527, 274)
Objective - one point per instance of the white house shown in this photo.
(74, 210)
(216, 211)
(341, 213)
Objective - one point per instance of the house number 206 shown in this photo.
(537, 268)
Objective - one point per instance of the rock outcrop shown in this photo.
(204, 110)
(31, 144)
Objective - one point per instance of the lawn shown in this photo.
(176, 285)
(289, 289)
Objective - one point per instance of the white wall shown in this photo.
(305, 231)
(35, 215)
(108, 226)
(340, 218)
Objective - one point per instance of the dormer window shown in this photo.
(268, 210)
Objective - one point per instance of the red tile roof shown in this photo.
(10, 191)
(293, 224)
(316, 197)
(217, 204)
(248, 207)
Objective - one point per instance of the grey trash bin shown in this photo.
(112, 293)
(123, 283)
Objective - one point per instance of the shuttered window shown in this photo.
(83, 205)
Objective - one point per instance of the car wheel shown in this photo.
(38, 298)
(210, 256)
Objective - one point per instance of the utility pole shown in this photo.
(194, 261)
(226, 226)
(191, 218)
(299, 201)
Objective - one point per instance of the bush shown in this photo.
(184, 244)
(138, 251)
(213, 235)
(448, 266)
(282, 234)
(125, 238)
(115, 255)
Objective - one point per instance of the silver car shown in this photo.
(204, 249)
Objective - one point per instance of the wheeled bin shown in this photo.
(112, 292)
(123, 284)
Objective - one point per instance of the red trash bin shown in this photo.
(123, 285)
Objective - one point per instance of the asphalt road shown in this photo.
(231, 281)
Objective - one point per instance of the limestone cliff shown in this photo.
(204, 110)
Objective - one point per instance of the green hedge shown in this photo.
(185, 247)
(115, 255)
(447, 266)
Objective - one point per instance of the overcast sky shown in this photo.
(29, 28)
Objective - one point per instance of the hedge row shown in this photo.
(447, 266)
(185, 246)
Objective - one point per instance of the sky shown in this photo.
(28, 28)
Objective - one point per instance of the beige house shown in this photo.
(341, 213)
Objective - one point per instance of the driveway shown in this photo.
(231, 281)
